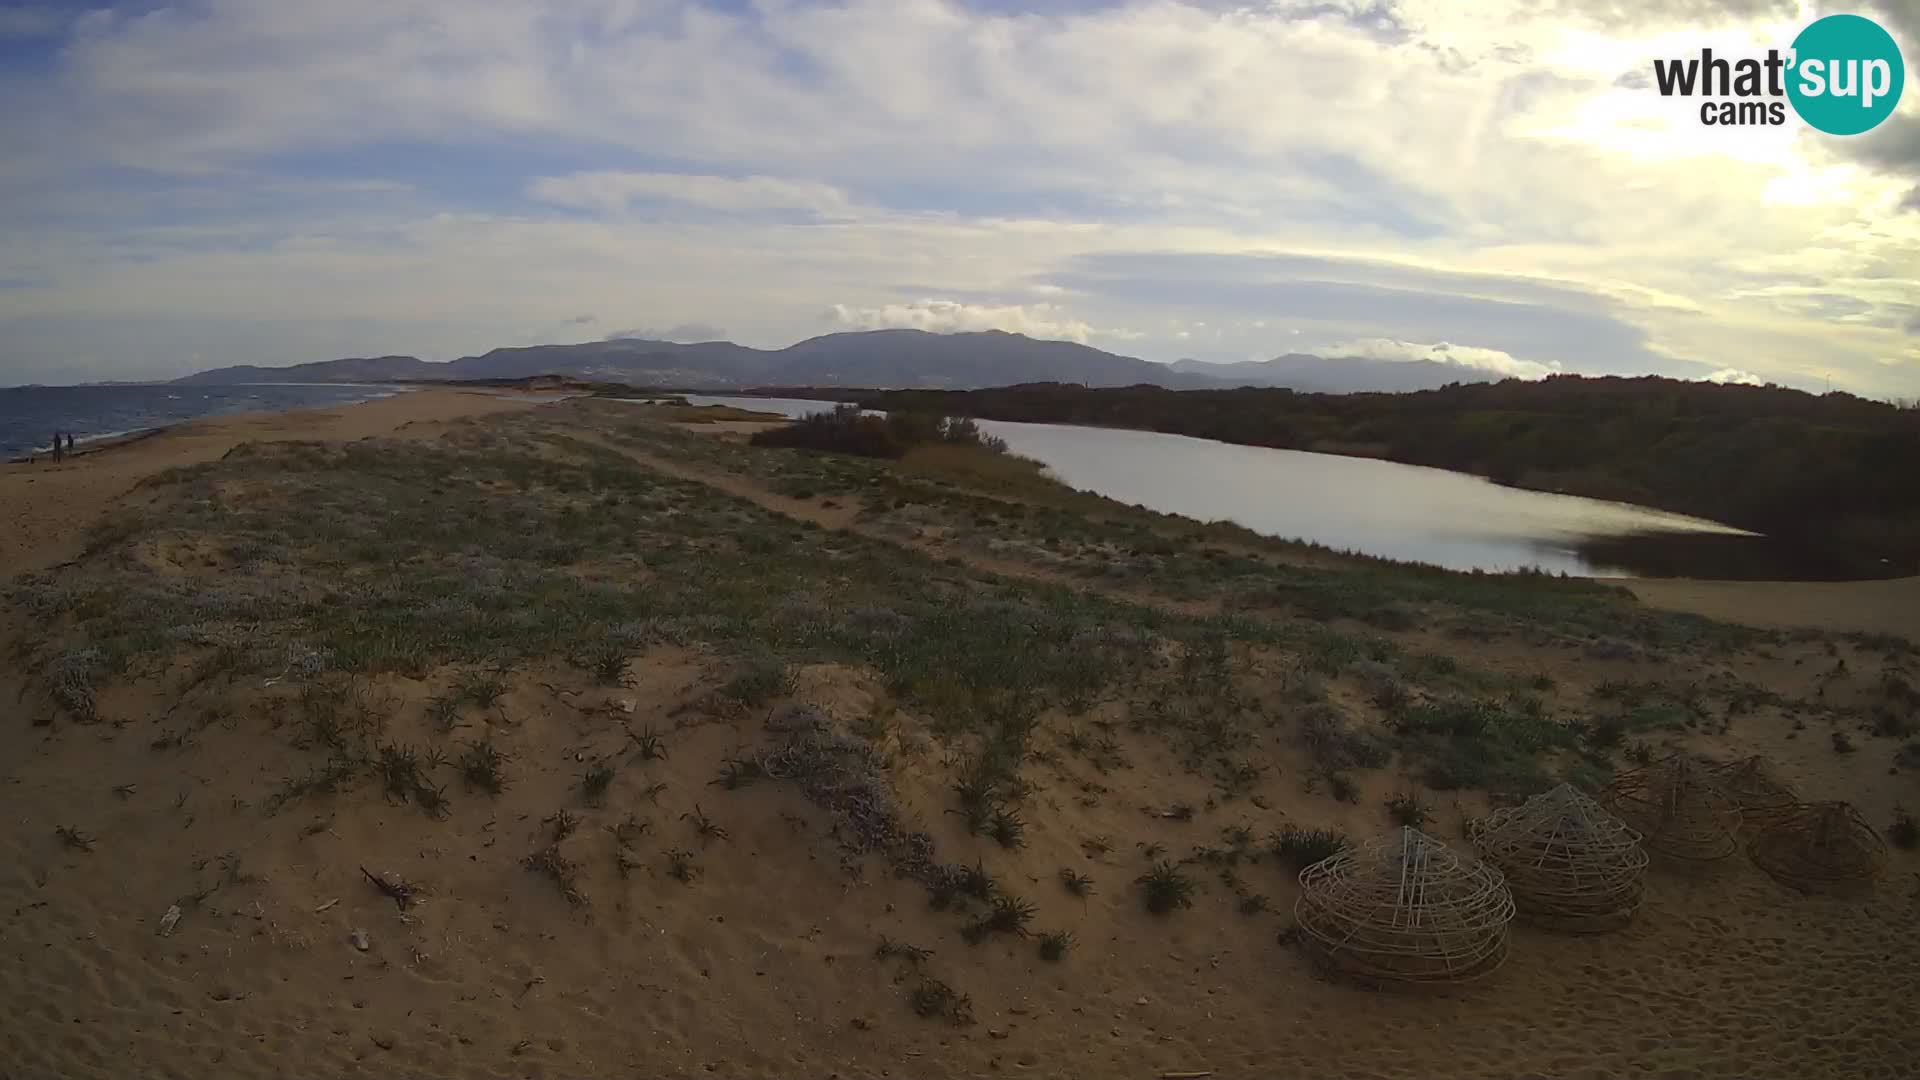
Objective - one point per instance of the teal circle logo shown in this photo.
(1846, 75)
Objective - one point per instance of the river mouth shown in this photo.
(1384, 509)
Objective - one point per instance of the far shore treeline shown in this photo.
(1833, 473)
(847, 430)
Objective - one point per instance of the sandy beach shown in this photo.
(51, 506)
(1867, 607)
(182, 897)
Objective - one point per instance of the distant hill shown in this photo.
(883, 358)
(1338, 374)
(359, 369)
(910, 359)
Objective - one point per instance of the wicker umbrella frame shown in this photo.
(1404, 908)
(1569, 863)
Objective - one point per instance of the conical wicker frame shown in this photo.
(1819, 847)
(1751, 785)
(1677, 809)
(1405, 908)
(1570, 864)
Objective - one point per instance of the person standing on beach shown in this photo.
(58, 454)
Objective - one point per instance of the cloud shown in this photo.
(1480, 359)
(616, 192)
(683, 333)
(1735, 377)
(499, 164)
(1639, 13)
(583, 320)
(33, 20)
(949, 316)
(1334, 299)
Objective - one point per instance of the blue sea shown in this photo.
(29, 415)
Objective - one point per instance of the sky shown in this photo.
(198, 183)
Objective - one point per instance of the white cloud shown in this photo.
(950, 316)
(1471, 356)
(683, 333)
(1735, 376)
(615, 192)
(749, 163)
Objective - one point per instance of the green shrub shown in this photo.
(1407, 810)
(1298, 847)
(1165, 888)
(848, 430)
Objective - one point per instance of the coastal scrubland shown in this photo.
(591, 738)
(1822, 474)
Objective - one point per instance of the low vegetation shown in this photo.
(1407, 810)
(1299, 847)
(848, 430)
(1166, 889)
(589, 651)
(1818, 471)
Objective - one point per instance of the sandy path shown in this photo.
(46, 509)
(1877, 607)
(764, 964)
(845, 518)
(813, 510)
(1874, 607)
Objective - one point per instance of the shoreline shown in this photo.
(99, 443)
(430, 753)
(1677, 521)
(145, 422)
(53, 505)
(1874, 606)
(1864, 606)
(1323, 449)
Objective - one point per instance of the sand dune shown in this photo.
(1870, 607)
(190, 789)
(764, 965)
(50, 507)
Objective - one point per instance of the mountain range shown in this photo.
(873, 358)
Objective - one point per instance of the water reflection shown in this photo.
(1381, 508)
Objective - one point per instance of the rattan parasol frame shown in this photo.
(1404, 908)
(1752, 786)
(1677, 808)
(1818, 847)
(1570, 864)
